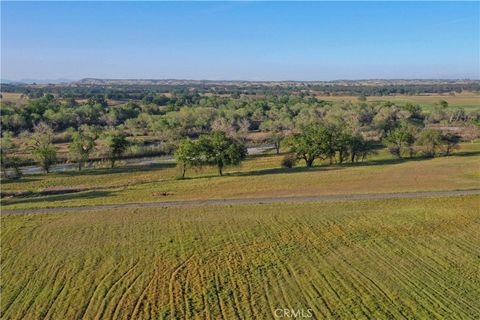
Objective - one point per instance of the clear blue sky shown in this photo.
(240, 40)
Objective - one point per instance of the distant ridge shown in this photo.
(366, 82)
(38, 81)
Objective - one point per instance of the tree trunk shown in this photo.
(79, 166)
(310, 162)
(112, 163)
(184, 169)
(220, 172)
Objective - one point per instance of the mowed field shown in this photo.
(412, 258)
(363, 259)
(13, 97)
(258, 177)
(466, 100)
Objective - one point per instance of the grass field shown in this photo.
(258, 177)
(382, 259)
(356, 259)
(13, 97)
(466, 100)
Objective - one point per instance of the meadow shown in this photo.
(363, 259)
(260, 176)
(466, 100)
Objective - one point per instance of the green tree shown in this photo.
(401, 140)
(43, 149)
(341, 143)
(429, 142)
(358, 148)
(386, 119)
(309, 144)
(116, 144)
(7, 155)
(450, 142)
(277, 127)
(187, 154)
(220, 150)
(82, 145)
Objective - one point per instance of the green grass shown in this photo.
(468, 100)
(256, 178)
(380, 259)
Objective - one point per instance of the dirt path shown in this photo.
(248, 200)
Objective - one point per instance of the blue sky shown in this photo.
(240, 40)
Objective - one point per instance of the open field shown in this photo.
(396, 258)
(258, 177)
(165, 204)
(13, 97)
(467, 100)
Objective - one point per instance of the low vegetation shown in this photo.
(410, 258)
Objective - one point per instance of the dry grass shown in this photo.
(410, 258)
(468, 100)
(13, 97)
(257, 177)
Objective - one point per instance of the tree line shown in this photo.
(344, 131)
(313, 142)
(140, 91)
(40, 143)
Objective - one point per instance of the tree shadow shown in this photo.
(116, 170)
(64, 197)
(378, 162)
(22, 179)
(466, 153)
(285, 170)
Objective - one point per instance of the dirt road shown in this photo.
(248, 200)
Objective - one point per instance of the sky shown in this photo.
(240, 40)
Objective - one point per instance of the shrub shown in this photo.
(289, 161)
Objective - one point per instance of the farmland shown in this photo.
(467, 100)
(396, 258)
(381, 258)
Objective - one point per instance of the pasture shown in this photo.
(396, 258)
(13, 97)
(258, 177)
(466, 100)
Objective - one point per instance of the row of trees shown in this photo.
(325, 141)
(328, 142)
(201, 114)
(41, 145)
(407, 140)
(150, 90)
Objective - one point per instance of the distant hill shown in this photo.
(243, 83)
(38, 81)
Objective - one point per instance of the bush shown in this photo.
(289, 161)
